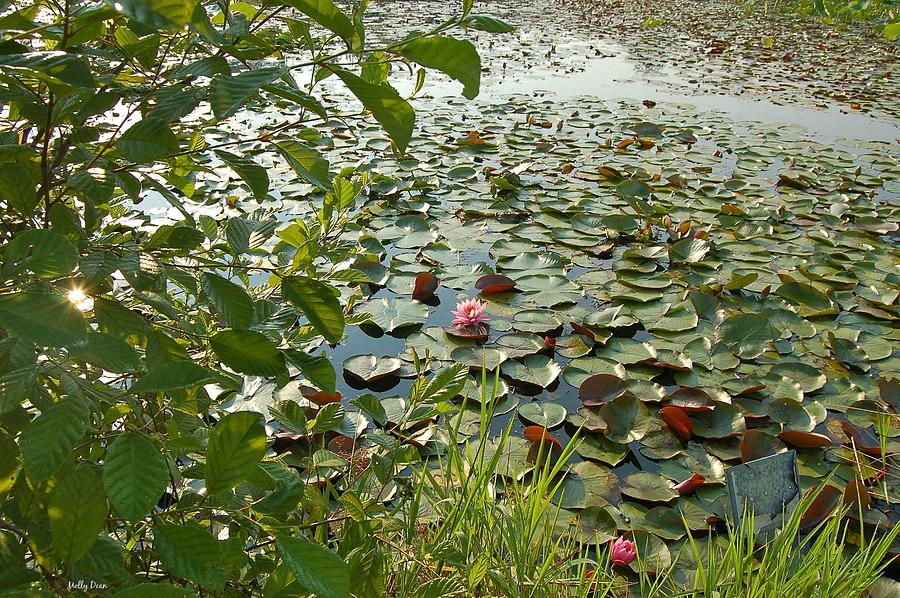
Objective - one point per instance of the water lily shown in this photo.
(623, 551)
(469, 313)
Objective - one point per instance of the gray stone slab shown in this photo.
(769, 488)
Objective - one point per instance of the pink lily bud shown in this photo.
(623, 551)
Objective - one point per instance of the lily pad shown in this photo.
(543, 413)
(537, 370)
(587, 484)
(649, 487)
(370, 368)
(396, 314)
(627, 419)
(599, 389)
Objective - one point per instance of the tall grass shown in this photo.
(467, 531)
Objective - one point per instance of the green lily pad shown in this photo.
(649, 487)
(627, 419)
(543, 413)
(396, 314)
(587, 484)
(538, 321)
(747, 334)
(479, 357)
(583, 368)
(600, 448)
(370, 368)
(537, 370)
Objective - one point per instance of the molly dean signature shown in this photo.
(81, 584)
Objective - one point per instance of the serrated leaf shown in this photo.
(190, 552)
(489, 24)
(318, 303)
(252, 173)
(158, 14)
(231, 300)
(391, 111)
(317, 570)
(49, 439)
(307, 162)
(172, 376)
(107, 352)
(236, 445)
(135, 475)
(76, 511)
(43, 318)
(326, 14)
(227, 93)
(455, 57)
(45, 253)
(147, 140)
(248, 352)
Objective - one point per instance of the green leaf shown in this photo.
(315, 368)
(190, 552)
(231, 300)
(326, 14)
(236, 445)
(318, 302)
(306, 161)
(18, 188)
(44, 252)
(447, 383)
(147, 140)
(135, 475)
(77, 512)
(52, 67)
(317, 570)
(228, 93)
(107, 352)
(455, 57)
(44, 318)
(158, 14)
(49, 439)
(9, 463)
(747, 334)
(806, 295)
(252, 173)
(391, 111)
(489, 24)
(172, 376)
(891, 30)
(328, 418)
(248, 352)
(244, 235)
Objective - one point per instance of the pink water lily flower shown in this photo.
(469, 313)
(623, 551)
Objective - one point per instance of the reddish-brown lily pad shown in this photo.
(856, 496)
(678, 421)
(478, 333)
(538, 434)
(495, 283)
(601, 388)
(861, 440)
(426, 284)
(690, 484)
(757, 444)
(823, 505)
(805, 439)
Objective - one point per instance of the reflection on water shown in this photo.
(611, 75)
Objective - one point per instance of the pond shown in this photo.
(731, 258)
